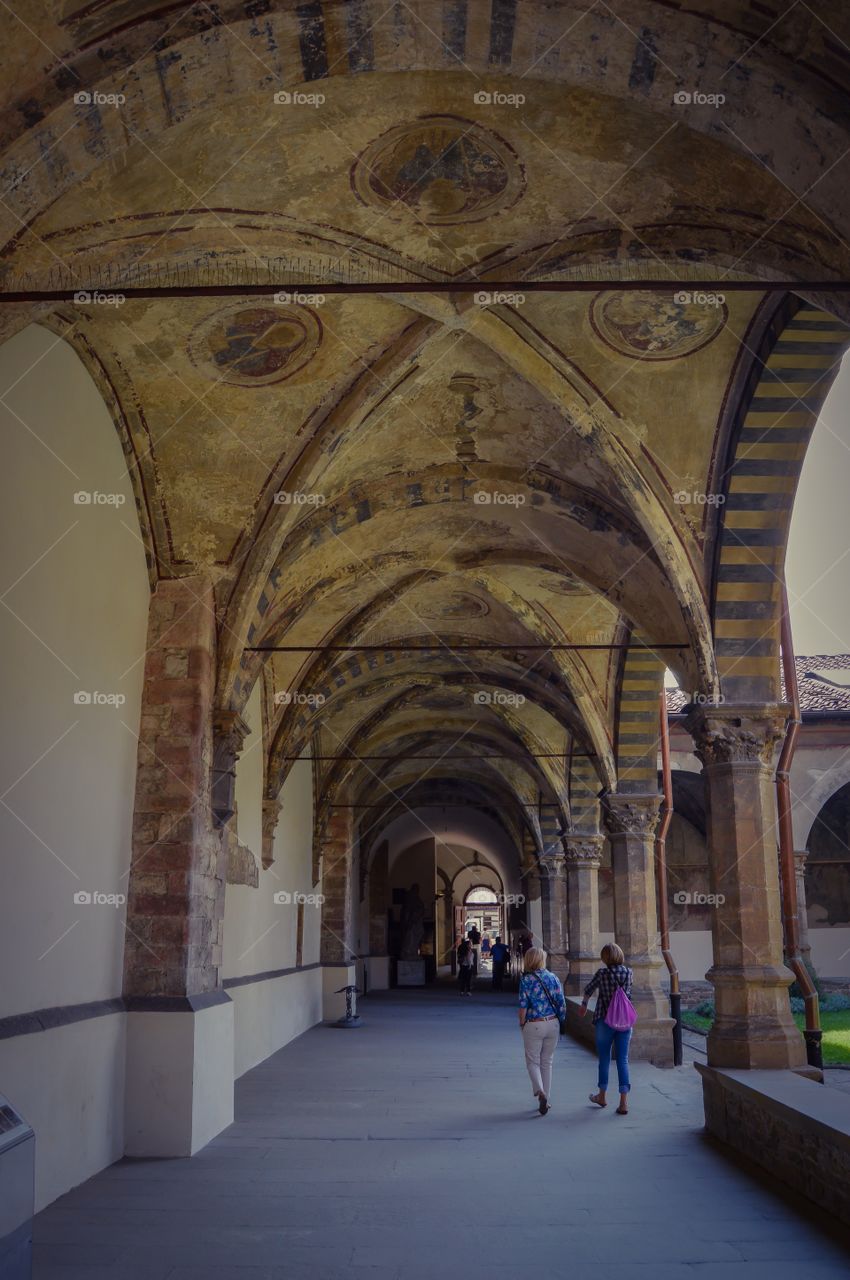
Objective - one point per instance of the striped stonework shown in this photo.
(584, 795)
(638, 724)
(759, 488)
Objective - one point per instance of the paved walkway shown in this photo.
(411, 1150)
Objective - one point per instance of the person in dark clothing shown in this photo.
(465, 961)
(475, 938)
(501, 957)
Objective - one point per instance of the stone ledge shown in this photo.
(794, 1128)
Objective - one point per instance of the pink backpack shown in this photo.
(620, 1014)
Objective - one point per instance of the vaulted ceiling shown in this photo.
(425, 472)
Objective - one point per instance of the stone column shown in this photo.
(753, 1026)
(179, 1085)
(337, 936)
(583, 857)
(631, 821)
(553, 889)
(271, 813)
(379, 960)
(800, 858)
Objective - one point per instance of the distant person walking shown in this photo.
(542, 1009)
(501, 959)
(465, 962)
(475, 938)
(614, 976)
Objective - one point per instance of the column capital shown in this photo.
(271, 812)
(583, 850)
(229, 734)
(632, 815)
(800, 859)
(230, 730)
(737, 733)
(552, 865)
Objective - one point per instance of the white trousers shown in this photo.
(540, 1040)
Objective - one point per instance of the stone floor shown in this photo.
(410, 1149)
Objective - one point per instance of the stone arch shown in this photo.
(757, 486)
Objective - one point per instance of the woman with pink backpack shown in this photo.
(613, 1018)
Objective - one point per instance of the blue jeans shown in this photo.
(606, 1037)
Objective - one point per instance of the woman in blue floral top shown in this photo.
(542, 1009)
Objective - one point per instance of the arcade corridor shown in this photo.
(391, 1153)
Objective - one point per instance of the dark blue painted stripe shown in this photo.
(454, 28)
(502, 24)
(758, 501)
(361, 53)
(744, 610)
(745, 573)
(311, 39)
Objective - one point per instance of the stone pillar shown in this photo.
(553, 888)
(337, 937)
(631, 821)
(753, 1026)
(271, 813)
(583, 857)
(800, 857)
(379, 960)
(179, 1086)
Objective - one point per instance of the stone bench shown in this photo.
(796, 1129)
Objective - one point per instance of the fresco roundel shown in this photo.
(252, 346)
(444, 169)
(657, 326)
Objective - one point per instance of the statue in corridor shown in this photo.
(412, 924)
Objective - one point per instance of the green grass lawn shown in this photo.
(836, 1032)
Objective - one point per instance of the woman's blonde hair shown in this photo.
(535, 958)
(612, 954)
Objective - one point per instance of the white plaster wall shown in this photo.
(76, 593)
(831, 951)
(260, 933)
(68, 1084)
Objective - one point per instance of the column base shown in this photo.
(652, 1038)
(378, 969)
(753, 1026)
(179, 1073)
(335, 976)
